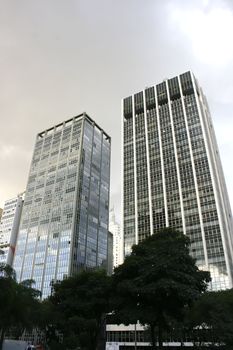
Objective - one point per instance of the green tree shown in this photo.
(213, 313)
(80, 305)
(47, 320)
(19, 303)
(157, 282)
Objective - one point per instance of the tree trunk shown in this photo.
(182, 338)
(2, 337)
(101, 334)
(160, 336)
(152, 334)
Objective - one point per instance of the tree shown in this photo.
(213, 312)
(80, 305)
(46, 322)
(157, 282)
(19, 303)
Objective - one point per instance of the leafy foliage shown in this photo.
(157, 284)
(19, 302)
(214, 312)
(81, 303)
(158, 281)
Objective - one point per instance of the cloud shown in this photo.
(6, 151)
(209, 29)
(14, 170)
(59, 59)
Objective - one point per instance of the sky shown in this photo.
(59, 58)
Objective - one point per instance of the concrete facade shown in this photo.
(173, 175)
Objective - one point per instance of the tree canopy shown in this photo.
(19, 303)
(157, 282)
(213, 312)
(81, 302)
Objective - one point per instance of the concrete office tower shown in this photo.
(110, 254)
(9, 226)
(114, 227)
(64, 225)
(173, 174)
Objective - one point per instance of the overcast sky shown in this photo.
(59, 58)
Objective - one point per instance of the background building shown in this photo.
(64, 225)
(110, 254)
(114, 227)
(173, 174)
(137, 337)
(9, 226)
(133, 336)
(1, 210)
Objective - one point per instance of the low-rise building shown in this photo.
(115, 229)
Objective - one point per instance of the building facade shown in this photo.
(173, 174)
(110, 254)
(64, 224)
(137, 336)
(114, 227)
(121, 337)
(9, 227)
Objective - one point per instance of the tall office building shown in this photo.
(110, 254)
(115, 229)
(9, 226)
(64, 223)
(173, 174)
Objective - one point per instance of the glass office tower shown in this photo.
(64, 223)
(173, 174)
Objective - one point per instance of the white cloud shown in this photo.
(6, 151)
(209, 30)
(11, 151)
(15, 163)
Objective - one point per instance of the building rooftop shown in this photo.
(69, 122)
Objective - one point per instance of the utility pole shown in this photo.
(135, 336)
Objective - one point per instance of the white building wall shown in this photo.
(115, 229)
(9, 226)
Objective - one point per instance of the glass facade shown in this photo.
(173, 175)
(64, 222)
